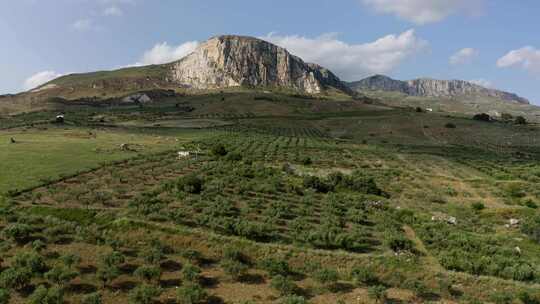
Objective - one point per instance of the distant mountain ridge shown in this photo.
(427, 87)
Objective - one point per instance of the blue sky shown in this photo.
(494, 42)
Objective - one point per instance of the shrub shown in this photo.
(190, 184)
(15, 278)
(478, 206)
(306, 161)
(4, 296)
(482, 117)
(520, 120)
(294, 300)
(233, 156)
(283, 285)
(450, 125)
(316, 183)
(148, 273)
(19, 233)
(235, 269)
(191, 294)
(531, 204)
(363, 276)
(60, 275)
(70, 260)
(399, 243)
(38, 245)
(378, 293)
(275, 267)
(30, 260)
(326, 276)
(144, 294)
(526, 298)
(531, 227)
(44, 295)
(191, 273)
(218, 150)
(502, 298)
(93, 298)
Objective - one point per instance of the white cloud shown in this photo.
(527, 58)
(353, 61)
(463, 56)
(40, 78)
(425, 11)
(165, 53)
(113, 11)
(482, 82)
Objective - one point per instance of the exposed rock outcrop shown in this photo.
(432, 88)
(231, 61)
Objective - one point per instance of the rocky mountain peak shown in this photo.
(230, 61)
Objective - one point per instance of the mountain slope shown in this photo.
(425, 87)
(231, 61)
(221, 62)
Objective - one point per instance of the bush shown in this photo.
(275, 267)
(283, 285)
(15, 278)
(531, 227)
(450, 125)
(44, 295)
(190, 184)
(306, 161)
(93, 298)
(190, 273)
(235, 269)
(316, 183)
(502, 298)
(378, 293)
(144, 294)
(363, 276)
(19, 233)
(326, 276)
(60, 275)
(399, 243)
(4, 296)
(482, 117)
(294, 300)
(148, 273)
(219, 150)
(30, 260)
(478, 206)
(191, 294)
(520, 120)
(234, 156)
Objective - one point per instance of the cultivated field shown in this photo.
(282, 199)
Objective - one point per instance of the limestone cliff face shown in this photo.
(230, 61)
(433, 88)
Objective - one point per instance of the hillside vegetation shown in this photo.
(283, 198)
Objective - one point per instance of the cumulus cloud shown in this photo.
(113, 11)
(528, 58)
(353, 61)
(482, 82)
(425, 11)
(40, 78)
(165, 53)
(463, 56)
